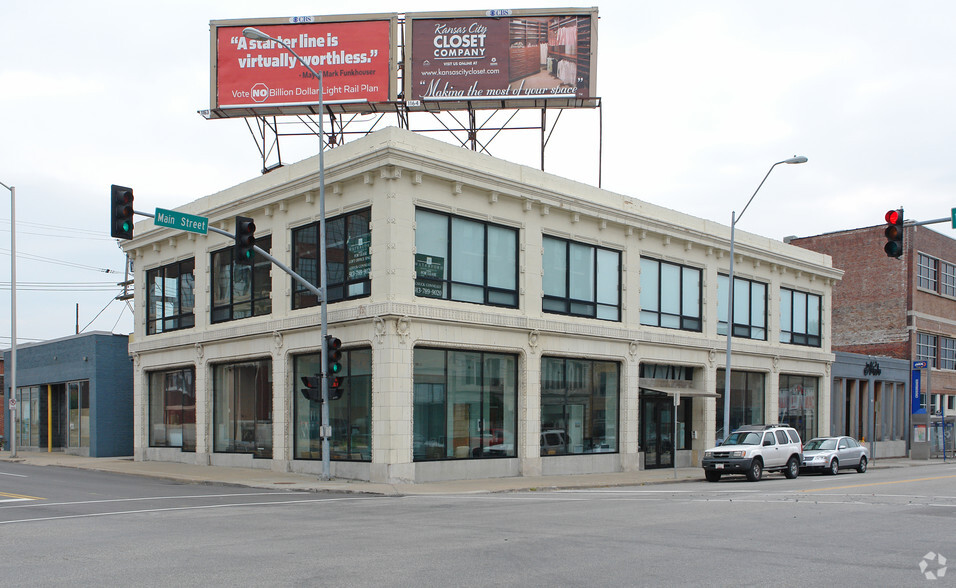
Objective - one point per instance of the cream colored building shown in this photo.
(496, 320)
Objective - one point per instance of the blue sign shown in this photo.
(917, 390)
(919, 365)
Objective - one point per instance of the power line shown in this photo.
(32, 257)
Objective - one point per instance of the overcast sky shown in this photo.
(699, 99)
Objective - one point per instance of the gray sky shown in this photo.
(700, 98)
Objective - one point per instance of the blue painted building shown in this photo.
(73, 394)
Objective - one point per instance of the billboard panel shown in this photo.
(505, 56)
(355, 55)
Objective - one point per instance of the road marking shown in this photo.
(7, 497)
(180, 508)
(878, 484)
(14, 475)
(105, 500)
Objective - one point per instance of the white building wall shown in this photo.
(393, 172)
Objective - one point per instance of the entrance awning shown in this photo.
(683, 392)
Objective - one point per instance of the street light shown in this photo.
(257, 35)
(730, 290)
(13, 316)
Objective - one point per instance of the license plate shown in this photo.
(719, 466)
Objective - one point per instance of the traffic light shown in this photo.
(334, 368)
(894, 233)
(313, 389)
(245, 240)
(121, 217)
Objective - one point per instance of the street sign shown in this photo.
(919, 365)
(180, 220)
(13, 403)
(953, 212)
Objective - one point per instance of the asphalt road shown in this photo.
(76, 527)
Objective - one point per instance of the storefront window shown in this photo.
(579, 406)
(242, 408)
(350, 415)
(465, 404)
(747, 393)
(798, 404)
(172, 409)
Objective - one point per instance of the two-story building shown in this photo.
(497, 321)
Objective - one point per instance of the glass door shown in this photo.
(657, 430)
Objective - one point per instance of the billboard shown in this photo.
(503, 57)
(355, 54)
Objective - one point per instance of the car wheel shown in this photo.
(712, 476)
(755, 470)
(834, 467)
(793, 469)
(862, 467)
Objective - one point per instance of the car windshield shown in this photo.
(820, 444)
(743, 438)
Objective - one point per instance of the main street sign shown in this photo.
(181, 220)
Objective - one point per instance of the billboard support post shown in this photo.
(256, 34)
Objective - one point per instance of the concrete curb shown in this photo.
(268, 479)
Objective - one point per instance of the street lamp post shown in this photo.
(730, 291)
(257, 35)
(13, 316)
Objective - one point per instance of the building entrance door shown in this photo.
(657, 430)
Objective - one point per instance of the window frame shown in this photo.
(925, 343)
(310, 447)
(804, 337)
(741, 329)
(180, 320)
(567, 393)
(684, 319)
(441, 448)
(262, 303)
(570, 303)
(927, 272)
(425, 286)
(229, 405)
(337, 290)
(188, 376)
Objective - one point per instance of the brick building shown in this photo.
(902, 308)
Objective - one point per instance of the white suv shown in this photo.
(752, 449)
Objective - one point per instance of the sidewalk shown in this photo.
(261, 478)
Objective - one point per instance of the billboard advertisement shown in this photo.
(355, 55)
(510, 55)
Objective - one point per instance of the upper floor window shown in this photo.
(581, 280)
(937, 351)
(465, 260)
(926, 348)
(750, 308)
(670, 295)
(348, 262)
(927, 272)
(800, 318)
(170, 297)
(241, 290)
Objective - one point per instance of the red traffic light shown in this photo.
(894, 233)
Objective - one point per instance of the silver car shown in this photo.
(830, 454)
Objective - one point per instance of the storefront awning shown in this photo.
(683, 392)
